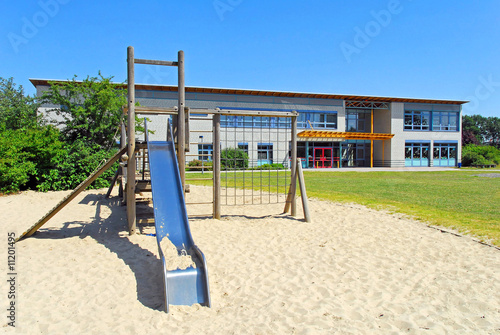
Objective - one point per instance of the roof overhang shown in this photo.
(45, 82)
(314, 135)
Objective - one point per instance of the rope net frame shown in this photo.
(255, 159)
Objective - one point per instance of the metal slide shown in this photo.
(182, 287)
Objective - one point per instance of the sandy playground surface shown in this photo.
(352, 271)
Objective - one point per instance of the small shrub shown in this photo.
(198, 165)
(274, 166)
(232, 159)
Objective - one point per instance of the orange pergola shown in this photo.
(342, 136)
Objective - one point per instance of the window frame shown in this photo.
(202, 151)
(445, 126)
(413, 114)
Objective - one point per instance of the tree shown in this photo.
(485, 129)
(91, 110)
(468, 137)
(492, 131)
(17, 111)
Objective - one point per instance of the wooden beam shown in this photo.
(303, 195)
(216, 166)
(131, 143)
(181, 121)
(154, 62)
(72, 195)
(152, 110)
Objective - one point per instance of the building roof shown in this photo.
(191, 89)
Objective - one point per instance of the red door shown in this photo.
(322, 158)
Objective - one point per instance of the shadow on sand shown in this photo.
(111, 231)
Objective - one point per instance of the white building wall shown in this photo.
(397, 150)
(401, 136)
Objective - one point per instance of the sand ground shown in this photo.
(352, 271)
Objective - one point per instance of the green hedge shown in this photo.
(197, 165)
(37, 159)
(74, 164)
(25, 156)
(473, 155)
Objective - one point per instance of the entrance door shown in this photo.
(322, 157)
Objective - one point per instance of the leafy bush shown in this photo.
(91, 110)
(197, 165)
(274, 166)
(480, 155)
(25, 156)
(17, 111)
(74, 164)
(232, 158)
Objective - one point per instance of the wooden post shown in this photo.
(181, 120)
(131, 218)
(290, 199)
(216, 162)
(383, 153)
(293, 204)
(123, 170)
(187, 115)
(303, 195)
(371, 153)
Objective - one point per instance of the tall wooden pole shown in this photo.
(122, 169)
(181, 120)
(293, 210)
(290, 199)
(216, 162)
(303, 194)
(131, 218)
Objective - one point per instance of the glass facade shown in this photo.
(417, 120)
(417, 154)
(445, 121)
(317, 120)
(431, 121)
(445, 154)
(357, 120)
(230, 121)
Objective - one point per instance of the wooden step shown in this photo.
(143, 186)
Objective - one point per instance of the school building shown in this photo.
(334, 131)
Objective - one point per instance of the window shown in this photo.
(205, 152)
(326, 120)
(445, 121)
(264, 153)
(445, 154)
(421, 120)
(230, 121)
(417, 120)
(357, 120)
(417, 154)
(323, 120)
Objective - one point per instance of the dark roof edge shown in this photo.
(44, 82)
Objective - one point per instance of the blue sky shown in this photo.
(407, 48)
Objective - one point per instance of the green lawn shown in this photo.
(456, 199)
